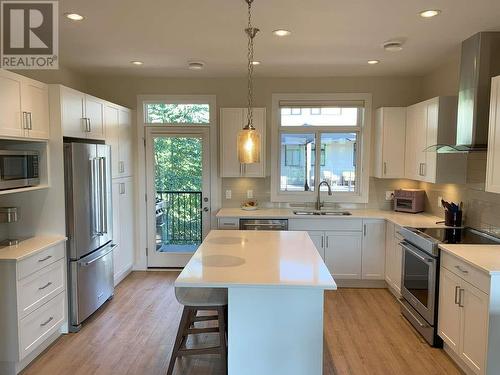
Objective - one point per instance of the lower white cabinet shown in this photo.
(373, 250)
(468, 316)
(393, 258)
(343, 254)
(33, 305)
(318, 239)
(123, 227)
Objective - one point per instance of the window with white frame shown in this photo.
(329, 128)
(177, 113)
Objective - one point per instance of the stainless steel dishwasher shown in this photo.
(263, 224)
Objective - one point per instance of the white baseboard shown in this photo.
(459, 362)
(376, 284)
(122, 274)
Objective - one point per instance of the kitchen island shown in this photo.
(276, 283)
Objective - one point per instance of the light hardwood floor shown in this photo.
(134, 334)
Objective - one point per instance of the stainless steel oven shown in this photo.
(18, 169)
(419, 280)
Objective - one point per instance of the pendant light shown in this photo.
(249, 137)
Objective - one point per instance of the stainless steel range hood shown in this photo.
(480, 61)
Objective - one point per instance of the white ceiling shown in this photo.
(329, 37)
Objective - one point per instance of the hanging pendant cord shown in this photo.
(251, 32)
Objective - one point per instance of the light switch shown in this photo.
(249, 194)
(229, 194)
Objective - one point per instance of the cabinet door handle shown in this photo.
(46, 258)
(364, 230)
(45, 286)
(327, 242)
(424, 169)
(47, 322)
(322, 242)
(122, 188)
(90, 125)
(385, 168)
(457, 291)
(465, 272)
(25, 120)
(121, 167)
(460, 295)
(30, 125)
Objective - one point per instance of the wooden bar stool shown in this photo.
(194, 300)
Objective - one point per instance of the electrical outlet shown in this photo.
(229, 194)
(249, 194)
(440, 204)
(389, 195)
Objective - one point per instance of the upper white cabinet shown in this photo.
(232, 120)
(493, 163)
(118, 127)
(24, 107)
(82, 115)
(390, 140)
(428, 124)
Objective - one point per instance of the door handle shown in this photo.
(457, 300)
(122, 188)
(45, 286)
(47, 322)
(30, 125)
(90, 125)
(104, 196)
(25, 120)
(385, 168)
(364, 230)
(121, 167)
(322, 242)
(44, 259)
(460, 295)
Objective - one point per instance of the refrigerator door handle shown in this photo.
(103, 196)
(95, 207)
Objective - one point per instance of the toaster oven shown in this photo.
(409, 200)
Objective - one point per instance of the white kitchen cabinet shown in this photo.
(82, 115)
(493, 158)
(467, 313)
(430, 123)
(343, 254)
(232, 120)
(35, 108)
(123, 227)
(94, 113)
(24, 105)
(119, 136)
(33, 304)
(390, 140)
(318, 239)
(373, 249)
(393, 258)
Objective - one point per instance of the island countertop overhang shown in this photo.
(268, 259)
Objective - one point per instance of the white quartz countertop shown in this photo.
(256, 258)
(29, 247)
(399, 218)
(484, 257)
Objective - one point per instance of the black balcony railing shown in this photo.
(180, 222)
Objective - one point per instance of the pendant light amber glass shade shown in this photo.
(249, 146)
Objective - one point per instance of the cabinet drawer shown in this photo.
(331, 224)
(42, 259)
(38, 288)
(465, 271)
(231, 223)
(40, 324)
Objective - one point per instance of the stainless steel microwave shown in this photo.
(19, 169)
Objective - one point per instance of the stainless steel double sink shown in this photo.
(321, 213)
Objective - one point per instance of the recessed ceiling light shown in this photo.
(255, 62)
(136, 62)
(393, 46)
(74, 16)
(373, 62)
(281, 32)
(429, 13)
(196, 65)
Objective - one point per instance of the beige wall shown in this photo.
(231, 92)
(61, 76)
(443, 81)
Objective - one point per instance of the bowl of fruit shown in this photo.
(249, 206)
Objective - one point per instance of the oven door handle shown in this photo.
(406, 246)
(400, 300)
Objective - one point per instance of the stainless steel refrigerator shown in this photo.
(87, 172)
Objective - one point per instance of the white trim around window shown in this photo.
(363, 156)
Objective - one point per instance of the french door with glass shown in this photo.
(178, 194)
